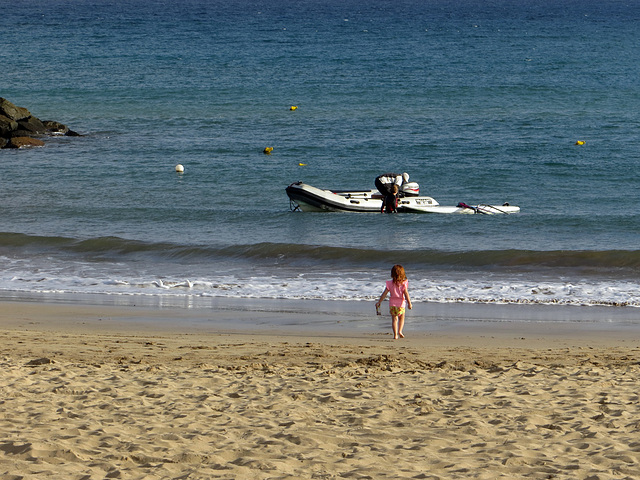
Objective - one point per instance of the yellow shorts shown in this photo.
(396, 311)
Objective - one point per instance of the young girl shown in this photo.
(398, 287)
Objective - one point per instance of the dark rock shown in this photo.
(33, 125)
(53, 127)
(17, 125)
(19, 133)
(9, 110)
(23, 142)
(3, 142)
(7, 126)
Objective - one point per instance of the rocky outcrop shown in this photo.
(18, 128)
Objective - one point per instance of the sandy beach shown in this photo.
(86, 393)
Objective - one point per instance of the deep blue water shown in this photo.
(480, 102)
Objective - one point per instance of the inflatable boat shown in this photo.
(306, 198)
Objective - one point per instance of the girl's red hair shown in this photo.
(397, 274)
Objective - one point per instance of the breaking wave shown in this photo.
(615, 262)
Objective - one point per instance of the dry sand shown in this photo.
(85, 398)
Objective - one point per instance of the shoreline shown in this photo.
(328, 319)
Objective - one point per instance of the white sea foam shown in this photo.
(327, 287)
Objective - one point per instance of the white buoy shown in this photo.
(179, 168)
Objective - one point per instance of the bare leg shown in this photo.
(400, 325)
(394, 326)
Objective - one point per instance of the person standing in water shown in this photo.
(390, 201)
(398, 288)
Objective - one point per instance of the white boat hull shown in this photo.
(312, 199)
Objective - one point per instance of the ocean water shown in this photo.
(479, 101)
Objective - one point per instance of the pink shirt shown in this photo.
(397, 293)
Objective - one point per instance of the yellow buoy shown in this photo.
(179, 168)
(302, 164)
(580, 142)
(268, 150)
(294, 107)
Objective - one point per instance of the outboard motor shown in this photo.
(410, 189)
